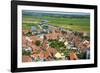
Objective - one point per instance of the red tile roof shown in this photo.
(73, 56)
(26, 59)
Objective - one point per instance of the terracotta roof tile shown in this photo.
(26, 59)
(73, 56)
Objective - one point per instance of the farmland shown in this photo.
(76, 24)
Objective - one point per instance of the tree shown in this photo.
(38, 43)
(24, 52)
(56, 44)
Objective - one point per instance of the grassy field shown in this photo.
(76, 24)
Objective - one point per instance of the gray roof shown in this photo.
(33, 28)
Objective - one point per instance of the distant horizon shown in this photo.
(54, 12)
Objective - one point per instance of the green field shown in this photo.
(73, 23)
